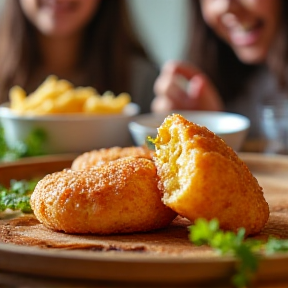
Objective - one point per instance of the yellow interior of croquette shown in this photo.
(175, 169)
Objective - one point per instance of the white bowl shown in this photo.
(232, 128)
(73, 133)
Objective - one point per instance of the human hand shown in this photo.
(181, 86)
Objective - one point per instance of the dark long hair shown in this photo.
(219, 62)
(108, 45)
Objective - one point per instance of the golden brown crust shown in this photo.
(101, 156)
(118, 197)
(203, 177)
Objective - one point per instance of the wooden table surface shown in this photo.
(13, 280)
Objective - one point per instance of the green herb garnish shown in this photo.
(32, 146)
(150, 142)
(17, 196)
(3, 145)
(247, 252)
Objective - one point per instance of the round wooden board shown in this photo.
(136, 267)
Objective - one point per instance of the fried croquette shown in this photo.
(202, 177)
(101, 156)
(118, 197)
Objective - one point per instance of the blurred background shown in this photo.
(163, 27)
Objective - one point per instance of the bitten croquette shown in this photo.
(202, 177)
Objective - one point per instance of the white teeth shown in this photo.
(243, 28)
(239, 32)
(241, 36)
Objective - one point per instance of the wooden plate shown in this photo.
(157, 262)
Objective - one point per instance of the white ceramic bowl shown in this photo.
(232, 128)
(71, 133)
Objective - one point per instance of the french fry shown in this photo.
(17, 97)
(50, 89)
(56, 96)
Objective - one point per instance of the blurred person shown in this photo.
(238, 57)
(89, 43)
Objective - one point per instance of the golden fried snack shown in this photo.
(104, 155)
(118, 197)
(202, 177)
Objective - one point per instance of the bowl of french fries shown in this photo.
(72, 119)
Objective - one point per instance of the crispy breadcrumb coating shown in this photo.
(202, 177)
(118, 197)
(101, 156)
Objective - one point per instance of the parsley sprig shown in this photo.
(17, 196)
(31, 146)
(246, 251)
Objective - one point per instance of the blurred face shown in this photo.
(248, 26)
(59, 17)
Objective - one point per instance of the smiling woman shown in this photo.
(89, 43)
(59, 18)
(249, 27)
(238, 57)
